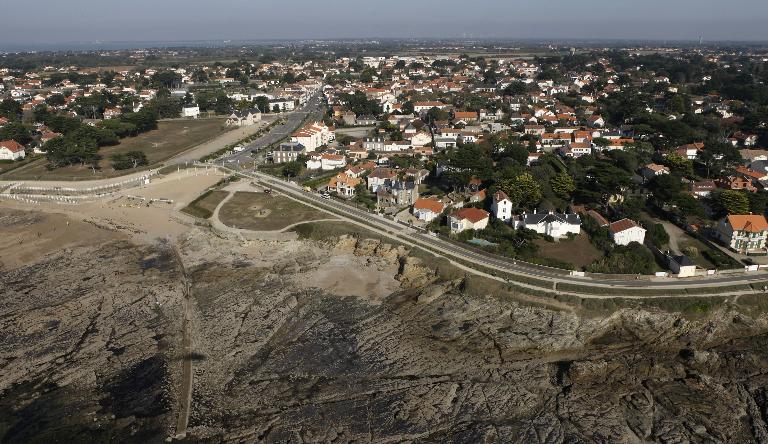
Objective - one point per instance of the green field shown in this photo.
(266, 212)
(168, 140)
(204, 206)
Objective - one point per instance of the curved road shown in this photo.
(510, 266)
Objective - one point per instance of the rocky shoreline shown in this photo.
(90, 350)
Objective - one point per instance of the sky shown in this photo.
(61, 22)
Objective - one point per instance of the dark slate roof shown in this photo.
(683, 261)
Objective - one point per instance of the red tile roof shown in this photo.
(12, 146)
(619, 226)
(474, 215)
(432, 205)
(752, 223)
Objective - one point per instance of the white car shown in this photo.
(325, 196)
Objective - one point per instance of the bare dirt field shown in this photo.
(265, 212)
(579, 251)
(26, 237)
(170, 139)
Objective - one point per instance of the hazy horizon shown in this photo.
(80, 21)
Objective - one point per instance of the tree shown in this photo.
(630, 259)
(166, 107)
(56, 100)
(167, 79)
(679, 164)
(223, 105)
(16, 131)
(262, 102)
(665, 187)
(523, 191)
(515, 89)
(562, 185)
(733, 202)
(292, 169)
(658, 235)
(131, 159)
(687, 205)
(63, 151)
(11, 109)
(719, 156)
(758, 202)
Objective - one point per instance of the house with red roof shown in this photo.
(744, 233)
(11, 150)
(468, 219)
(626, 231)
(427, 209)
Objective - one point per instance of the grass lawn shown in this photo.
(204, 205)
(579, 251)
(8, 165)
(266, 212)
(693, 248)
(169, 139)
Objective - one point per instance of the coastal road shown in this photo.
(419, 238)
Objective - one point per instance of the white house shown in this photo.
(427, 209)
(326, 162)
(246, 117)
(745, 233)
(282, 104)
(192, 111)
(468, 219)
(314, 135)
(626, 231)
(420, 107)
(11, 150)
(421, 139)
(380, 177)
(343, 185)
(556, 225)
(501, 206)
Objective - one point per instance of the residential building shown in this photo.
(652, 170)
(468, 219)
(343, 185)
(626, 231)
(11, 150)
(417, 175)
(427, 209)
(380, 177)
(397, 194)
(703, 188)
(682, 266)
(326, 162)
(744, 233)
(246, 117)
(556, 225)
(288, 152)
(314, 135)
(501, 206)
(192, 111)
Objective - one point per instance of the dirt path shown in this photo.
(288, 228)
(185, 393)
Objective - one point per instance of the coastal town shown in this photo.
(318, 238)
(621, 162)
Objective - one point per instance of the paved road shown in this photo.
(313, 110)
(555, 276)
